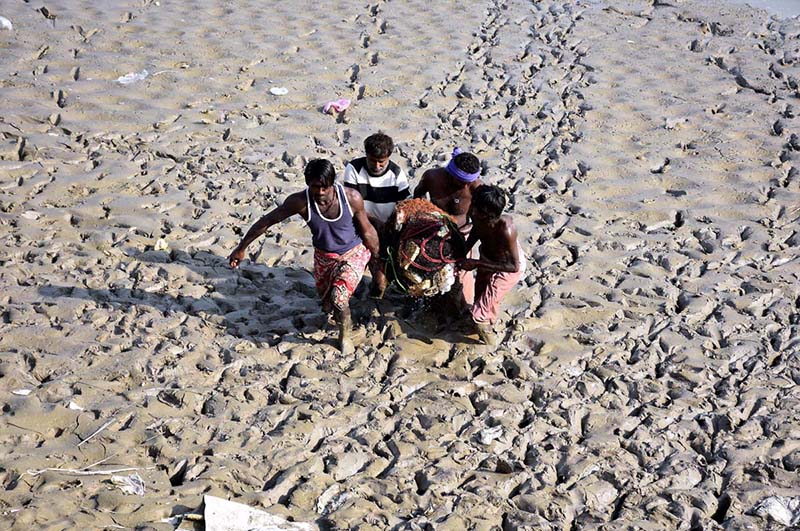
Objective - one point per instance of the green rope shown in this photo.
(396, 279)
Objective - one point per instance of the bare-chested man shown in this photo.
(343, 239)
(501, 263)
(450, 188)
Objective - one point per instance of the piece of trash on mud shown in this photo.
(279, 91)
(6, 24)
(330, 500)
(161, 245)
(21, 392)
(132, 484)
(133, 77)
(782, 509)
(490, 434)
(224, 515)
(336, 106)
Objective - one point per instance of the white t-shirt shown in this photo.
(381, 193)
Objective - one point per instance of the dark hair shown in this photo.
(467, 162)
(379, 145)
(320, 170)
(489, 199)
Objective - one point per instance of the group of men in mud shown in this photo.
(347, 220)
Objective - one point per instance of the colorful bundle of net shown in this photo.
(423, 246)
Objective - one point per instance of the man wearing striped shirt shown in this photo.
(381, 183)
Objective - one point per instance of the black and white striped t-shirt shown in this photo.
(380, 193)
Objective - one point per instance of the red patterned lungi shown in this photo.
(338, 275)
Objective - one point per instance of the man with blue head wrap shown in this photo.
(450, 188)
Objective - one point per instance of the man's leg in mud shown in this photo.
(486, 333)
(378, 286)
(346, 278)
(327, 307)
(377, 264)
(340, 300)
(345, 323)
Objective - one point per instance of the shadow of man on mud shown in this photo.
(255, 302)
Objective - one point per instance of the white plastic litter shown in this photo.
(73, 406)
(133, 77)
(331, 499)
(783, 510)
(21, 392)
(6, 24)
(132, 484)
(490, 434)
(224, 515)
(279, 91)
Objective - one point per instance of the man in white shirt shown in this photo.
(381, 183)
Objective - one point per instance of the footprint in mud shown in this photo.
(30, 361)
(353, 72)
(59, 97)
(343, 136)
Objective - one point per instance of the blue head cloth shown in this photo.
(458, 173)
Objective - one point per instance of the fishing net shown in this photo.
(423, 245)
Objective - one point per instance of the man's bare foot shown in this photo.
(486, 334)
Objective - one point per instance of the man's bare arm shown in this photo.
(362, 223)
(511, 261)
(422, 188)
(472, 239)
(376, 223)
(294, 204)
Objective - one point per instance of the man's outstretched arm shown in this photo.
(294, 204)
